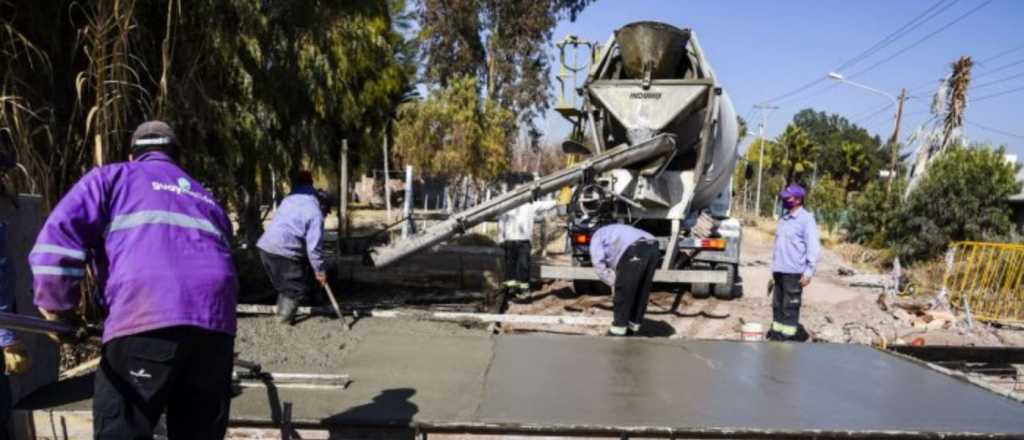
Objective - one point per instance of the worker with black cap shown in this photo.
(797, 249)
(293, 245)
(160, 248)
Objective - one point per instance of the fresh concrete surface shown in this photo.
(412, 372)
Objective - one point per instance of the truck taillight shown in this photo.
(582, 238)
(712, 243)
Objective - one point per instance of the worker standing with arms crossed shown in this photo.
(797, 249)
(293, 245)
(625, 258)
(160, 247)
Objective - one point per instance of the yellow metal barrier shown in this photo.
(986, 279)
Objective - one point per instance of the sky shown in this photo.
(764, 50)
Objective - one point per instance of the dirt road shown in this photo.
(833, 311)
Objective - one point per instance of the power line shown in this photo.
(999, 69)
(897, 34)
(796, 90)
(1005, 92)
(1001, 54)
(870, 51)
(995, 130)
(923, 39)
(874, 115)
(997, 81)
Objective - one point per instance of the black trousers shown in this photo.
(290, 277)
(787, 296)
(185, 371)
(634, 276)
(5, 401)
(517, 264)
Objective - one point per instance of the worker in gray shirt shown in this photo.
(625, 259)
(292, 246)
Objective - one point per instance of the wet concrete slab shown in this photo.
(716, 386)
(409, 376)
(396, 378)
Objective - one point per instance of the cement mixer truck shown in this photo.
(663, 138)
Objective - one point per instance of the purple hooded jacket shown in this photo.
(158, 241)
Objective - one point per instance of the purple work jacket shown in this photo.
(159, 243)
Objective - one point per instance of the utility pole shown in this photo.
(895, 140)
(765, 109)
(387, 175)
(343, 192)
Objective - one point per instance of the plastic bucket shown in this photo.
(752, 331)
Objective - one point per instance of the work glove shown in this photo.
(16, 359)
(70, 318)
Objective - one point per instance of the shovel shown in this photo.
(334, 303)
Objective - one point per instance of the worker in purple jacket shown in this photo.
(160, 248)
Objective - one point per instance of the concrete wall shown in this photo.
(24, 224)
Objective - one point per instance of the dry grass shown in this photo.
(864, 258)
(927, 276)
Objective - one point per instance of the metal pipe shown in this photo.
(14, 321)
(615, 158)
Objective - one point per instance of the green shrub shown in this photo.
(961, 197)
(873, 214)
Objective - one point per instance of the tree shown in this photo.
(255, 90)
(831, 133)
(827, 199)
(500, 42)
(798, 153)
(742, 124)
(961, 197)
(857, 165)
(773, 173)
(454, 133)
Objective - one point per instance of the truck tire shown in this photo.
(700, 290)
(725, 291)
(583, 287)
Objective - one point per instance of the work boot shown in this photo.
(617, 332)
(801, 334)
(286, 308)
(773, 335)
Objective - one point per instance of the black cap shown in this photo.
(154, 135)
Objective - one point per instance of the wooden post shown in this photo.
(896, 140)
(343, 222)
(407, 206)
(387, 178)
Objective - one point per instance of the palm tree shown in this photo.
(799, 152)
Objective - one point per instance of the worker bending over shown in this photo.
(160, 247)
(797, 249)
(293, 245)
(625, 258)
(515, 229)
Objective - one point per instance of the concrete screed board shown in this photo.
(553, 383)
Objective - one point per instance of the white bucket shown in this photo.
(752, 331)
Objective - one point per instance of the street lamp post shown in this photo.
(898, 102)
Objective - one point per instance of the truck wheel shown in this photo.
(725, 291)
(700, 290)
(583, 287)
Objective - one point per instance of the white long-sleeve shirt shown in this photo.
(517, 224)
